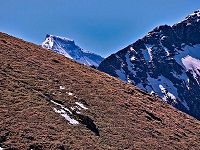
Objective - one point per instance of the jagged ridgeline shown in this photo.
(166, 63)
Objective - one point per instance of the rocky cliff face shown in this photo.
(166, 62)
(68, 48)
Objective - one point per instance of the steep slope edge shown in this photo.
(47, 101)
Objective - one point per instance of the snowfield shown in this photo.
(69, 49)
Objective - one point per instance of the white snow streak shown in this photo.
(64, 108)
(69, 93)
(81, 105)
(148, 56)
(66, 116)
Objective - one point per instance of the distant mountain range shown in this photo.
(69, 49)
(166, 63)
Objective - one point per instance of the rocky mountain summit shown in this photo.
(68, 48)
(166, 63)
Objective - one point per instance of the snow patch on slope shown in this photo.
(81, 105)
(193, 65)
(63, 113)
(167, 95)
(148, 56)
(69, 93)
(69, 112)
(166, 50)
(164, 88)
(62, 87)
(193, 51)
(130, 65)
(189, 59)
(164, 82)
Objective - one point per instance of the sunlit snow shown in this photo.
(166, 50)
(193, 51)
(167, 94)
(130, 65)
(62, 87)
(69, 93)
(148, 56)
(163, 87)
(193, 65)
(133, 58)
(64, 108)
(152, 93)
(66, 116)
(68, 48)
(81, 105)
(131, 48)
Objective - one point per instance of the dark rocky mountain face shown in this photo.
(166, 63)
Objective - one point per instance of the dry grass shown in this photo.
(126, 117)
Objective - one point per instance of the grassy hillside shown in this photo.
(40, 91)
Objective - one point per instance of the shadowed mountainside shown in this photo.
(165, 62)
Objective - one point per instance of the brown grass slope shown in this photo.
(125, 117)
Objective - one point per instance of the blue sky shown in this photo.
(101, 26)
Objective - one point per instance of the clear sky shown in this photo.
(101, 26)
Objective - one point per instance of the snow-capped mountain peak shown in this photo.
(51, 39)
(194, 16)
(68, 48)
